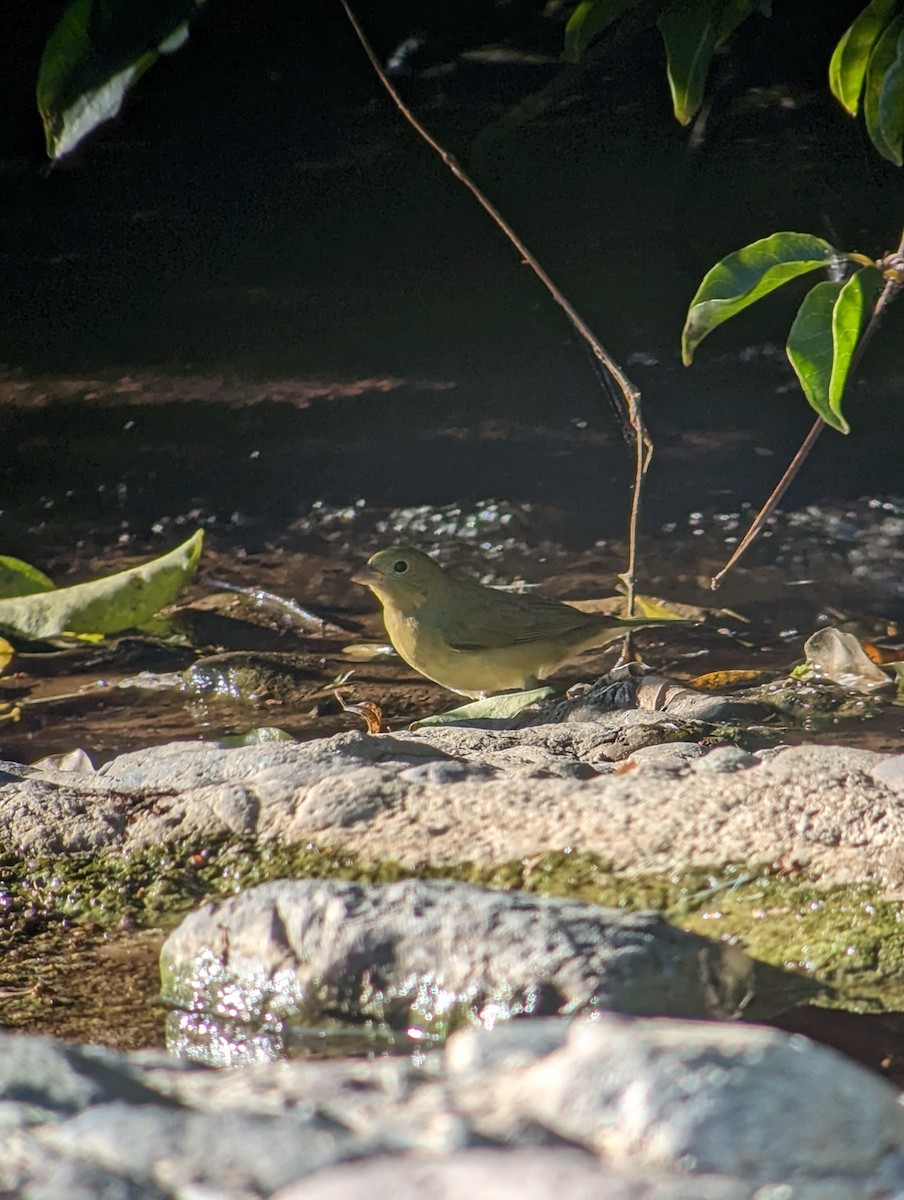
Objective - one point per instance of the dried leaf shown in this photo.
(714, 680)
(368, 710)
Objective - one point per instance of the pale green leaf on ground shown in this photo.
(96, 53)
(107, 605)
(745, 276)
(883, 122)
(504, 707)
(855, 301)
(847, 69)
(18, 578)
(588, 21)
(810, 349)
(690, 30)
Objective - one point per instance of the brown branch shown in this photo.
(643, 445)
(893, 268)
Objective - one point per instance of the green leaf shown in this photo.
(824, 337)
(881, 104)
(809, 349)
(855, 300)
(18, 578)
(105, 605)
(690, 30)
(732, 14)
(504, 707)
(97, 52)
(747, 275)
(891, 104)
(588, 21)
(851, 57)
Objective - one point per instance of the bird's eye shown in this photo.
(400, 567)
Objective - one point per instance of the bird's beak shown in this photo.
(367, 576)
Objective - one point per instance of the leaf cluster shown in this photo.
(867, 66)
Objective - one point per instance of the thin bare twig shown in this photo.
(643, 445)
(893, 268)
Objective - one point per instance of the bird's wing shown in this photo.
(506, 622)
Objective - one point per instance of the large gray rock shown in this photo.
(243, 973)
(525, 1174)
(609, 1108)
(658, 1093)
(449, 795)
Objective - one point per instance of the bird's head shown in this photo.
(402, 576)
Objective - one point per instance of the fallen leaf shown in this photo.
(714, 680)
(18, 578)
(106, 605)
(370, 712)
(504, 707)
(366, 651)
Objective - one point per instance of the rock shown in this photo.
(659, 1093)
(448, 795)
(428, 956)
(608, 1108)
(523, 1174)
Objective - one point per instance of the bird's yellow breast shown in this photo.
(420, 642)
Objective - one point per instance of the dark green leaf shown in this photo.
(809, 349)
(588, 21)
(733, 13)
(855, 300)
(849, 61)
(690, 30)
(883, 124)
(891, 104)
(824, 337)
(746, 276)
(98, 50)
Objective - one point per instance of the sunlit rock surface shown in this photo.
(608, 1109)
(447, 795)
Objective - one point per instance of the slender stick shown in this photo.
(893, 268)
(643, 445)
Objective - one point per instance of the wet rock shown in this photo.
(256, 677)
(633, 686)
(604, 1109)
(428, 957)
(819, 704)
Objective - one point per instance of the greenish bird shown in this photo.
(476, 640)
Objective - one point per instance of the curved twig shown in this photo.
(643, 445)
